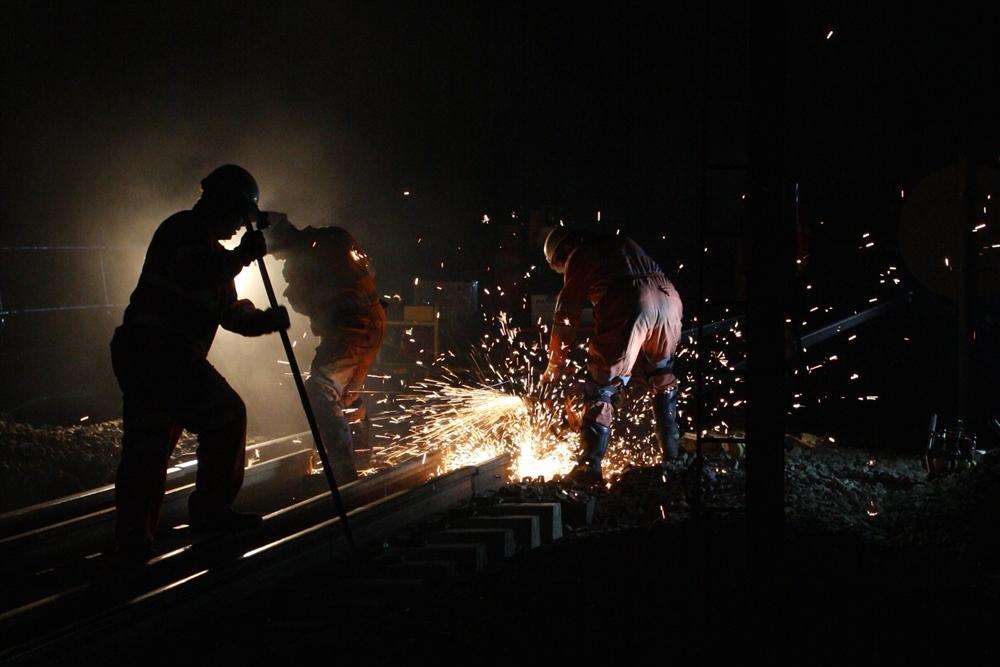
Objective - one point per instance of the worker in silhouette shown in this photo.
(185, 292)
(331, 281)
(637, 319)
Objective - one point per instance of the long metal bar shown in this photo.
(699, 373)
(966, 260)
(770, 285)
(59, 309)
(31, 248)
(828, 331)
(338, 502)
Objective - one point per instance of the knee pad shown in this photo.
(663, 379)
(667, 429)
(599, 403)
(598, 412)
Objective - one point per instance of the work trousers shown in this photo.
(166, 389)
(336, 377)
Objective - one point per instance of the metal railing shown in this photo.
(99, 249)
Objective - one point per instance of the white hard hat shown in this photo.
(553, 240)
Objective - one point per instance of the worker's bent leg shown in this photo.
(149, 438)
(657, 362)
(335, 430)
(150, 434)
(219, 417)
(356, 408)
(595, 431)
(612, 354)
(338, 372)
(664, 387)
(361, 434)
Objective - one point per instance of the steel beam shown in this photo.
(770, 285)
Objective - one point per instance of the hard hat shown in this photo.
(553, 241)
(233, 187)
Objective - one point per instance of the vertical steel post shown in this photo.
(770, 287)
(104, 278)
(967, 290)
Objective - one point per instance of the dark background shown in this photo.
(114, 111)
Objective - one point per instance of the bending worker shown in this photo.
(185, 292)
(637, 315)
(331, 281)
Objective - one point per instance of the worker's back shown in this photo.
(614, 263)
(329, 276)
(179, 299)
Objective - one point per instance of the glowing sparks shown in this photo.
(358, 256)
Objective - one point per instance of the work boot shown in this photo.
(343, 468)
(678, 466)
(593, 444)
(361, 443)
(668, 433)
(336, 433)
(226, 521)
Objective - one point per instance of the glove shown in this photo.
(277, 319)
(252, 247)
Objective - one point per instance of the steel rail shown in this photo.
(238, 566)
(315, 508)
(28, 577)
(54, 545)
(65, 508)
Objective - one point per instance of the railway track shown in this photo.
(51, 512)
(58, 590)
(56, 587)
(49, 534)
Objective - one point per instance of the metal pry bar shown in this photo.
(338, 502)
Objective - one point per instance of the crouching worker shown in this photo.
(637, 316)
(330, 281)
(159, 352)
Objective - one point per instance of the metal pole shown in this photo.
(104, 280)
(967, 287)
(338, 501)
(699, 374)
(770, 284)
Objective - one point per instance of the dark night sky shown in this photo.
(113, 112)
(114, 109)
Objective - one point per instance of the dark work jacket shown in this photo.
(186, 290)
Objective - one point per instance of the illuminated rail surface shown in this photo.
(66, 509)
(52, 579)
(42, 539)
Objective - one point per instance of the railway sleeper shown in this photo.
(467, 558)
(499, 542)
(526, 527)
(549, 517)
